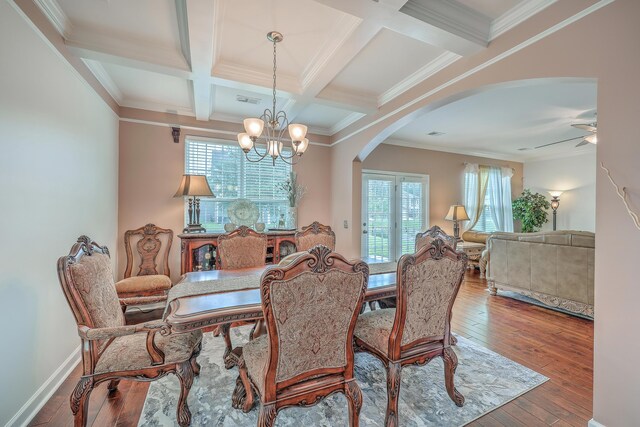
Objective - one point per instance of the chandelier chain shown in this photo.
(274, 77)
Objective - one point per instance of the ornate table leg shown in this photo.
(483, 266)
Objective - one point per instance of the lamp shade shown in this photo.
(457, 213)
(194, 185)
(555, 193)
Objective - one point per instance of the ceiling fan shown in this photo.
(590, 138)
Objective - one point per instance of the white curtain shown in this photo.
(472, 200)
(499, 192)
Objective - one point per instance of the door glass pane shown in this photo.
(411, 215)
(379, 206)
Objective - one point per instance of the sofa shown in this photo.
(555, 268)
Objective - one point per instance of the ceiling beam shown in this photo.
(446, 24)
(199, 17)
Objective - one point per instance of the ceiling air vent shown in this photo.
(435, 133)
(248, 99)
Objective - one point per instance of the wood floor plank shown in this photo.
(552, 343)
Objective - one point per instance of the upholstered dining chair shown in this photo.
(422, 239)
(435, 232)
(419, 328)
(150, 283)
(112, 350)
(315, 234)
(310, 308)
(241, 248)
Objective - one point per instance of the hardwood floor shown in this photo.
(556, 345)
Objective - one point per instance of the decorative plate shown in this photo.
(243, 212)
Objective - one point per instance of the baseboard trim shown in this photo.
(594, 423)
(31, 407)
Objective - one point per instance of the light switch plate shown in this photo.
(346, 224)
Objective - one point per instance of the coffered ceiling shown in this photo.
(210, 59)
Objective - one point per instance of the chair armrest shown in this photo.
(92, 334)
(151, 328)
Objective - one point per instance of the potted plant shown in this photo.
(294, 192)
(531, 210)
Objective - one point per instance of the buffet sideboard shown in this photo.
(198, 250)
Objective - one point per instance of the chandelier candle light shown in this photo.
(276, 123)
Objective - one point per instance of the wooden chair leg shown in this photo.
(267, 416)
(184, 372)
(113, 386)
(393, 393)
(450, 365)
(249, 399)
(354, 399)
(80, 401)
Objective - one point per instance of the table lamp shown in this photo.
(194, 186)
(457, 213)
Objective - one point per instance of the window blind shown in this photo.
(231, 176)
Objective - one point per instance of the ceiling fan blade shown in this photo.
(590, 127)
(583, 142)
(558, 142)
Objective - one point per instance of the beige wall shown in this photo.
(58, 166)
(446, 175)
(611, 33)
(576, 177)
(151, 166)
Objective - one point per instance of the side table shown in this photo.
(474, 252)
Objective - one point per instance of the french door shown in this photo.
(394, 210)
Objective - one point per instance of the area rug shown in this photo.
(486, 379)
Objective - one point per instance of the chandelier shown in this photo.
(270, 127)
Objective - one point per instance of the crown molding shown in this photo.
(346, 25)
(441, 62)
(105, 79)
(344, 97)
(517, 15)
(156, 106)
(56, 16)
(351, 118)
(222, 117)
(242, 74)
(452, 17)
(464, 151)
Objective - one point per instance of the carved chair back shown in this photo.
(315, 234)
(86, 278)
(435, 232)
(148, 247)
(241, 248)
(428, 283)
(311, 306)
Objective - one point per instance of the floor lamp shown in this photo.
(555, 203)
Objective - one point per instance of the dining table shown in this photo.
(205, 299)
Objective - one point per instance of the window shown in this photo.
(231, 176)
(493, 211)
